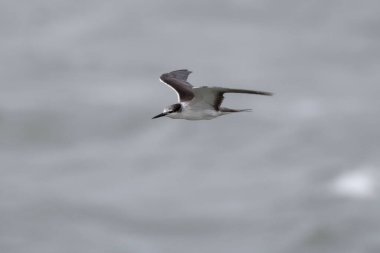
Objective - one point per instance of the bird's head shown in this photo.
(169, 111)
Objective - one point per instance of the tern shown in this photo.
(198, 103)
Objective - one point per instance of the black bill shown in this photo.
(159, 115)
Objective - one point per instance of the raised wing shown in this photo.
(177, 80)
(181, 74)
(213, 96)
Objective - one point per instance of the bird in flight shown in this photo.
(198, 103)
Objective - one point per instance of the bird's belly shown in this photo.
(195, 114)
(199, 115)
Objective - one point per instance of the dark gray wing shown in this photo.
(213, 96)
(177, 80)
(219, 97)
(181, 74)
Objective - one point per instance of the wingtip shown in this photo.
(265, 93)
(184, 70)
(168, 74)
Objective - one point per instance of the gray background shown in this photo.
(85, 169)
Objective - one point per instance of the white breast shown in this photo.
(190, 113)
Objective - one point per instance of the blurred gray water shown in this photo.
(85, 169)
